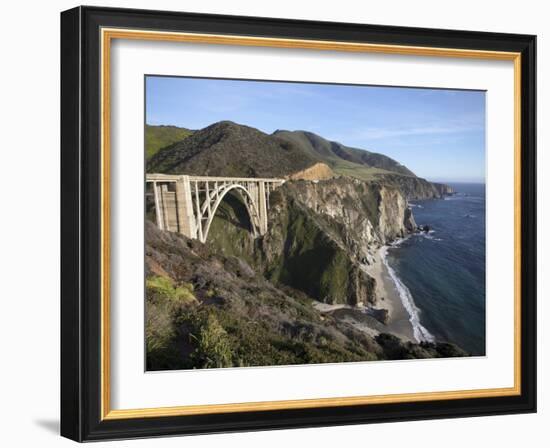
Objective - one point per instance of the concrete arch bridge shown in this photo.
(187, 204)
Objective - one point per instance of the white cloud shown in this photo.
(388, 132)
(464, 125)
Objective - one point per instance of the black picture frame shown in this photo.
(81, 224)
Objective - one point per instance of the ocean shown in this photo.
(441, 274)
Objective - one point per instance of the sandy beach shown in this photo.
(388, 298)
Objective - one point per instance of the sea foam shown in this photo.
(420, 332)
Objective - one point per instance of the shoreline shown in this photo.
(389, 298)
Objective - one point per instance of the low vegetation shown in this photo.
(157, 137)
(208, 310)
(164, 302)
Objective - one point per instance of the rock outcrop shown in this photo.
(368, 212)
(443, 189)
(318, 171)
(415, 187)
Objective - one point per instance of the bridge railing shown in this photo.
(158, 177)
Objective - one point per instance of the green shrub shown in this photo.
(159, 336)
(212, 346)
(166, 289)
(392, 346)
(164, 300)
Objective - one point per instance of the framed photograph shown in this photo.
(276, 224)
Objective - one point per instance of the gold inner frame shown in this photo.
(107, 35)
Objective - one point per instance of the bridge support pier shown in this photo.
(184, 210)
(262, 208)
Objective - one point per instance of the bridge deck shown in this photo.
(175, 177)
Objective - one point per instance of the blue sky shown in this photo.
(438, 134)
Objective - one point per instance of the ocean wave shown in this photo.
(429, 236)
(397, 242)
(464, 198)
(420, 332)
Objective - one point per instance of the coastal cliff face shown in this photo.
(443, 189)
(321, 235)
(368, 213)
(416, 187)
(315, 244)
(396, 218)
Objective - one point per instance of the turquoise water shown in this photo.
(444, 270)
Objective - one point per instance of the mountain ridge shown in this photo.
(230, 149)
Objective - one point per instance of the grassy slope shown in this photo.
(362, 172)
(319, 148)
(157, 137)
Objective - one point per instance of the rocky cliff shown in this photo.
(321, 234)
(443, 189)
(369, 212)
(327, 230)
(416, 187)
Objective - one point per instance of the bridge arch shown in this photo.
(248, 202)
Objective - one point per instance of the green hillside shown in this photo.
(230, 149)
(157, 137)
(342, 159)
